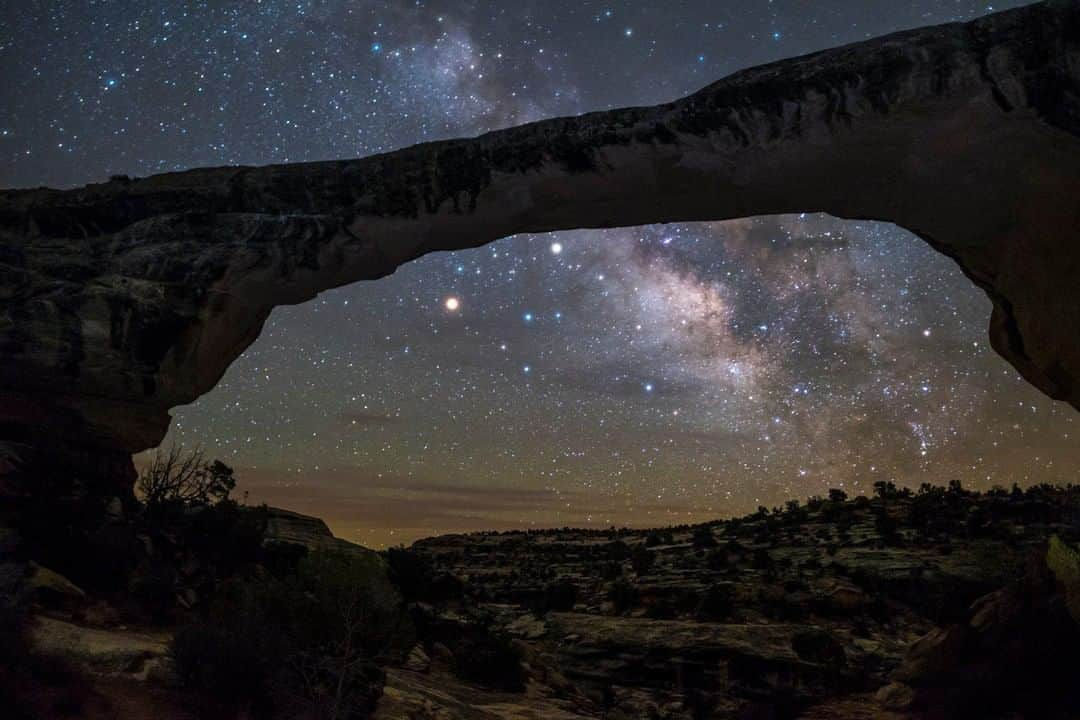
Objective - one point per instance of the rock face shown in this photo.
(121, 300)
(285, 527)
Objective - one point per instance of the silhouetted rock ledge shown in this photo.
(123, 299)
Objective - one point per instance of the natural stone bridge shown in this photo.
(121, 300)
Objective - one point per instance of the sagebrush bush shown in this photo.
(238, 665)
(642, 559)
(490, 661)
(717, 603)
(623, 595)
(558, 596)
(703, 538)
(270, 645)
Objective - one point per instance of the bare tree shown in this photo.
(184, 477)
(334, 675)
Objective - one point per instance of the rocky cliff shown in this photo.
(123, 299)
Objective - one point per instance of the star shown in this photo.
(827, 337)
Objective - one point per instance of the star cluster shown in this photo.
(638, 376)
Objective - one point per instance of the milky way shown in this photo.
(637, 376)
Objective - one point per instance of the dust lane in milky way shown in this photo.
(633, 376)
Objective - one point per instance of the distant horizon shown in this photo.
(382, 532)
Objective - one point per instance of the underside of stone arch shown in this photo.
(121, 300)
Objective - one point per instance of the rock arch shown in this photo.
(121, 300)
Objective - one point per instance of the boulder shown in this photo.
(45, 585)
(116, 651)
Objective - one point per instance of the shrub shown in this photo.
(887, 527)
(703, 538)
(334, 690)
(661, 610)
(351, 601)
(558, 596)
(445, 588)
(226, 537)
(610, 571)
(623, 595)
(717, 603)
(490, 661)
(308, 640)
(717, 560)
(155, 591)
(617, 551)
(885, 490)
(176, 477)
(642, 559)
(236, 665)
(761, 559)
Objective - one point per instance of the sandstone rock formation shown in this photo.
(949, 610)
(121, 300)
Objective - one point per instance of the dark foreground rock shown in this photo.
(121, 300)
(987, 661)
(203, 611)
(940, 603)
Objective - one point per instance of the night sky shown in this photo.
(642, 376)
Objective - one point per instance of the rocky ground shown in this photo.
(935, 604)
(778, 614)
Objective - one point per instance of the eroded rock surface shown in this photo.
(935, 604)
(121, 300)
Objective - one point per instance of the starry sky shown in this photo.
(639, 376)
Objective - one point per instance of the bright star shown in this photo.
(556, 248)
(452, 304)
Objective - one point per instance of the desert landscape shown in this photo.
(454, 361)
